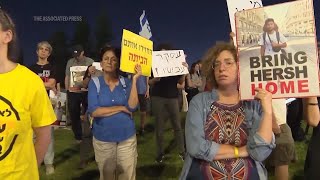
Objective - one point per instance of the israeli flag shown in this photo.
(145, 30)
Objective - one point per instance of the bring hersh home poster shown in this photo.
(277, 50)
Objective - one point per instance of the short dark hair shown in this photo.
(166, 46)
(276, 28)
(76, 50)
(116, 52)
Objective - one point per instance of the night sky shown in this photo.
(190, 25)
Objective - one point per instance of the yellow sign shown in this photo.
(135, 49)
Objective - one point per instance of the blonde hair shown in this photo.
(210, 57)
(46, 44)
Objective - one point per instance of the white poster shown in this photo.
(76, 76)
(240, 5)
(97, 65)
(59, 105)
(168, 63)
(283, 57)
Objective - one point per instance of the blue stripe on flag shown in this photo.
(143, 20)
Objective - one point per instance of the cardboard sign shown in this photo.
(283, 58)
(135, 49)
(168, 63)
(240, 5)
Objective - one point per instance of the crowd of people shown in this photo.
(224, 137)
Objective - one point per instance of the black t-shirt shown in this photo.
(45, 72)
(166, 87)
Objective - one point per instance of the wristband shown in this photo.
(313, 104)
(236, 152)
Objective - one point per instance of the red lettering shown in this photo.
(303, 86)
(285, 88)
(272, 87)
(253, 87)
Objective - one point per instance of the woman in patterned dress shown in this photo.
(227, 138)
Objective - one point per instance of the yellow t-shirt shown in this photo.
(24, 104)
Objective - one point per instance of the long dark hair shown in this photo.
(7, 24)
(193, 67)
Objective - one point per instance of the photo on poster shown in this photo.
(240, 5)
(277, 50)
(59, 104)
(76, 77)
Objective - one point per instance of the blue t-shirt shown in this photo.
(142, 85)
(115, 128)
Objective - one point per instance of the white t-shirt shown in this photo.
(279, 108)
(267, 43)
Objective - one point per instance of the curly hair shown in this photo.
(210, 57)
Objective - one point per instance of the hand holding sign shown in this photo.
(185, 65)
(138, 71)
(265, 98)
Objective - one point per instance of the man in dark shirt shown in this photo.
(164, 102)
(46, 72)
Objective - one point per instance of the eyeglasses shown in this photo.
(226, 64)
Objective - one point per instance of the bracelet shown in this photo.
(313, 104)
(236, 152)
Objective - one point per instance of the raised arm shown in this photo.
(265, 129)
(261, 139)
(133, 98)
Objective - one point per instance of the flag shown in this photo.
(145, 30)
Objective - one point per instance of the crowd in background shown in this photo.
(224, 137)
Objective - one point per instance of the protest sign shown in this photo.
(240, 5)
(168, 63)
(59, 105)
(76, 78)
(97, 65)
(283, 58)
(135, 49)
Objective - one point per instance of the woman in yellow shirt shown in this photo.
(24, 109)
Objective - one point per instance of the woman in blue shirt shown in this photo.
(111, 101)
(227, 138)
